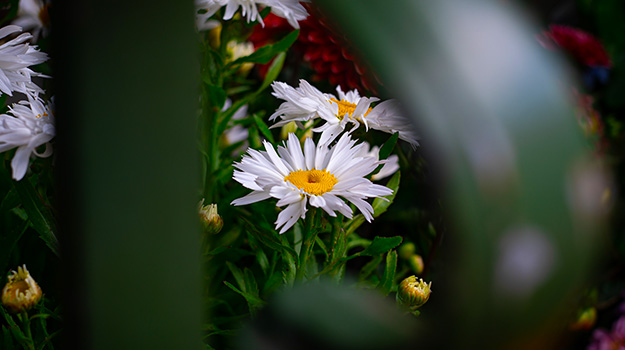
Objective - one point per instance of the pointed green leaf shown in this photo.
(273, 71)
(266, 53)
(381, 245)
(38, 214)
(388, 146)
(386, 283)
(238, 275)
(250, 282)
(379, 204)
(264, 129)
(252, 300)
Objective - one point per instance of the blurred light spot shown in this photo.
(491, 157)
(590, 194)
(526, 258)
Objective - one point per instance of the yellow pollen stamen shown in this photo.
(346, 107)
(315, 182)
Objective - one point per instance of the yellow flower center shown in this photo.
(346, 107)
(314, 181)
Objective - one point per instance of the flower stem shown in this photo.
(28, 341)
(310, 233)
(339, 246)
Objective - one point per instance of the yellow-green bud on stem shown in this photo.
(288, 128)
(406, 250)
(416, 263)
(211, 220)
(21, 291)
(413, 293)
(586, 319)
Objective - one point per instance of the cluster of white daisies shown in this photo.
(28, 126)
(329, 172)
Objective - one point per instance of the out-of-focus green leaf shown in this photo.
(266, 53)
(368, 269)
(273, 71)
(380, 205)
(386, 283)
(238, 275)
(250, 282)
(252, 300)
(264, 129)
(38, 214)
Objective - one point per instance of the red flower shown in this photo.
(327, 53)
(584, 47)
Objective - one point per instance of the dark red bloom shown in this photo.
(583, 46)
(328, 54)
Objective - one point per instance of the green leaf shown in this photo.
(368, 269)
(386, 283)
(289, 269)
(264, 129)
(253, 301)
(273, 71)
(216, 95)
(266, 53)
(238, 275)
(381, 245)
(38, 214)
(388, 146)
(353, 224)
(250, 282)
(379, 204)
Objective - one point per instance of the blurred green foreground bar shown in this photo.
(127, 75)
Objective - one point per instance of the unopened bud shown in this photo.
(288, 128)
(416, 263)
(406, 250)
(211, 220)
(413, 293)
(21, 291)
(586, 319)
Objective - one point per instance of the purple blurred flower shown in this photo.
(615, 340)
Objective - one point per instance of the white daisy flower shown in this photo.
(391, 164)
(291, 10)
(30, 126)
(318, 175)
(33, 17)
(16, 56)
(306, 102)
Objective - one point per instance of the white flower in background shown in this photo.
(237, 132)
(30, 126)
(16, 56)
(306, 102)
(318, 175)
(291, 10)
(33, 17)
(391, 164)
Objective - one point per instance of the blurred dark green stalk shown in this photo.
(128, 78)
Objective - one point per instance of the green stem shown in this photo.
(28, 343)
(310, 233)
(339, 246)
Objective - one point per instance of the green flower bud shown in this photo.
(21, 291)
(412, 293)
(586, 319)
(287, 129)
(211, 220)
(416, 263)
(406, 250)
